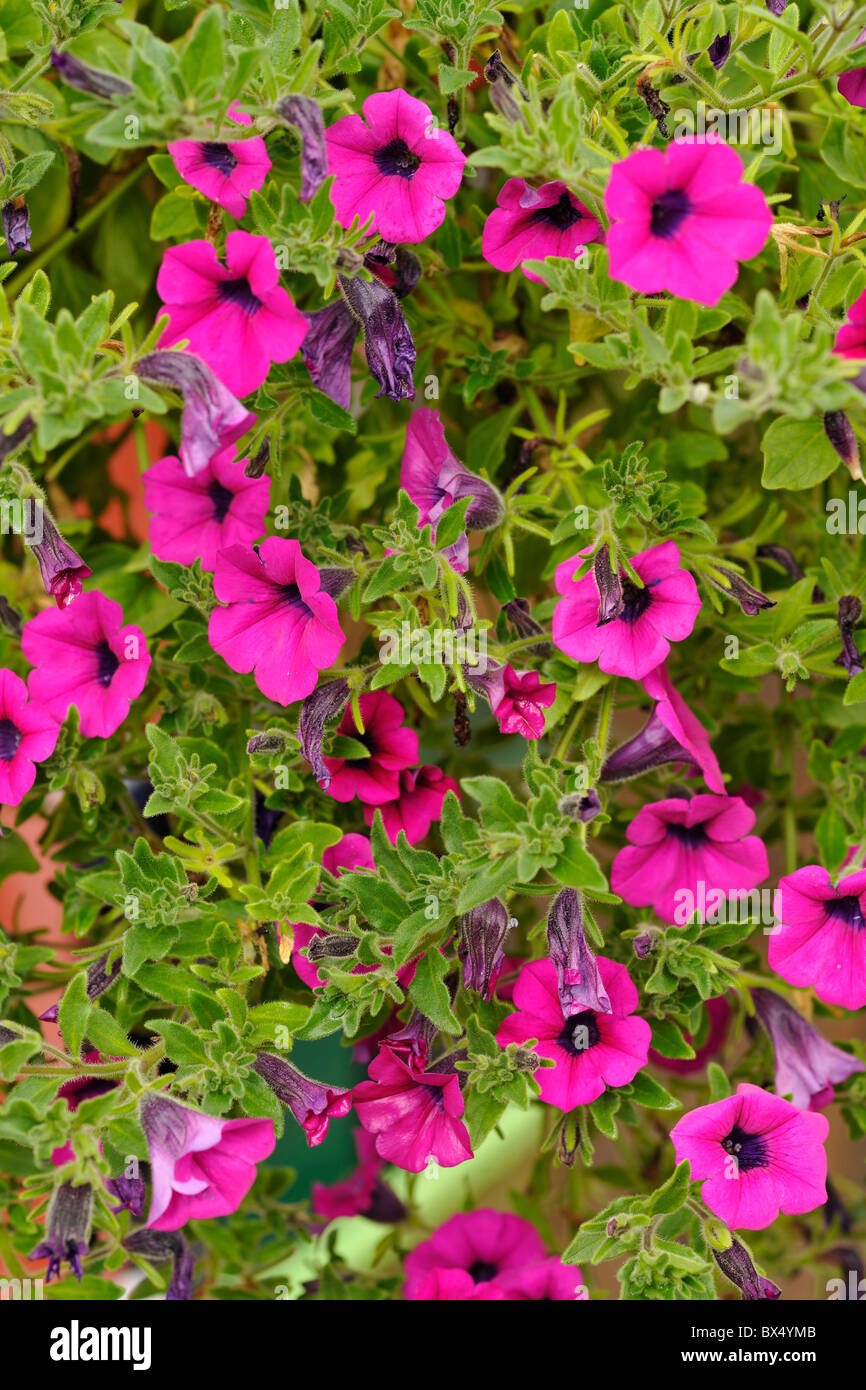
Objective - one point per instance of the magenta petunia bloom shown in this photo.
(201, 1166)
(414, 1114)
(28, 734)
(312, 1103)
(435, 479)
(194, 517)
(475, 1253)
(591, 1050)
(236, 316)
(520, 709)
(363, 1193)
(672, 734)
(759, 1154)
(85, 656)
(851, 338)
(352, 852)
(689, 854)
(819, 939)
(681, 219)
(226, 171)
(394, 165)
(390, 745)
(417, 805)
(529, 224)
(279, 623)
(638, 638)
(807, 1065)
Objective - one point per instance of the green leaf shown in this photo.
(668, 1039)
(182, 1044)
(15, 856)
(855, 690)
(577, 868)
(74, 1012)
(429, 992)
(645, 1091)
(672, 1194)
(797, 454)
(107, 1036)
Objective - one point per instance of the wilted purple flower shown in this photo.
(837, 428)
(312, 1103)
(62, 568)
(848, 616)
(325, 703)
(86, 79)
(505, 90)
(807, 1065)
(212, 417)
(578, 978)
(387, 340)
(305, 116)
(751, 600)
(98, 981)
(67, 1229)
(736, 1265)
(159, 1246)
(480, 945)
(607, 581)
(720, 50)
(130, 1193)
(652, 747)
(327, 351)
(16, 226)
(395, 266)
(782, 556)
(519, 614)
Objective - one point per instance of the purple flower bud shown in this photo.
(777, 6)
(312, 1103)
(327, 351)
(305, 115)
(98, 981)
(480, 945)
(130, 1194)
(334, 946)
(519, 614)
(10, 442)
(335, 580)
(262, 745)
(837, 428)
(583, 806)
(325, 703)
(607, 582)
(643, 944)
(10, 617)
(848, 616)
(86, 79)
(578, 978)
(212, 417)
(653, 746)
(62, 568)
(159, 1246)
(67, 1229)
(6, 1036)
(752, 601)
(782, 556)
(16, 226)
(736, 1265)
(505, 90)
(387, 340)
(807, 1065)
(256, 466)
(719, 50)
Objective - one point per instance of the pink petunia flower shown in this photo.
(689, 854)
(236, 316)
(529, 224)
(414, 1114)
(390, 745)
(759, 1155)
(672, 734)
(226, 171)
(820, 940)
(638, 638)
(312, 1103)
(352, 852)
(418, 804)
(520, 710)
(363, 1193)
(201, 1165)
(28, 734)
(851, 338)
(279, 623)
(194, 517)
(681, 219)
(591, 1050)
(85, 656)
(394, 165)
(852, 84)
(475, 1253)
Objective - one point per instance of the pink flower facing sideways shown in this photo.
(650, 618)
(685, 853)
(28, 734)
(530, 224)
(487, 1253)
(278, 622)
(591, 1050)
(851, 338)
(236, 316)
(194, 517)
(681, 219)
(759, 1155)
(85, 656)
(391, 747)
(672, 734)
(395, 165)
(520, 706)
(418, 803)
(414, 1114)
(819, 939)
(201, 1166)
(226, 171)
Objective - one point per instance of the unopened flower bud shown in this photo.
(336, 945)
(480, 945)
(837, 428)
(256, 465)
(607, 582)
(262, 745)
